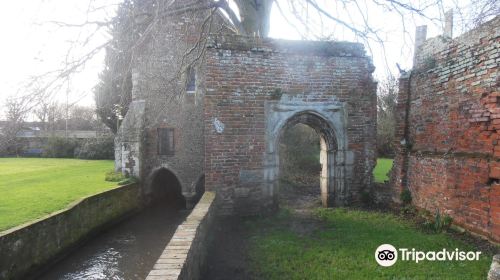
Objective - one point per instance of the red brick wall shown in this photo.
(242, 73)
(450, 159)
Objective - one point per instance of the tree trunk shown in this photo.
(255, 16)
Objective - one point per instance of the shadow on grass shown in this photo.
(340, 244)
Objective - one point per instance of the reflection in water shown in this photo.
(127, 251)
(103, 265)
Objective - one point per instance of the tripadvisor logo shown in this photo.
(387, 255)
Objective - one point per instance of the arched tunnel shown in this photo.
(166, 189)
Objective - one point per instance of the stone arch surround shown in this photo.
(329, 120)
(254, 86)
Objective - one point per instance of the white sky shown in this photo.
(31, 46)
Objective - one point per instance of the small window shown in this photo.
(165, 141)
(191, 80)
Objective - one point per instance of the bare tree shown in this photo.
(15, 114)
(82, 118)
(475, 13)
(136, 21)
(50, 114)
(41, 112)
(386, 105)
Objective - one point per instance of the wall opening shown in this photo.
(323, 150)
(300, 167)
(166, 189)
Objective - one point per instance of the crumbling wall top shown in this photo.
(432, 47)
(320, 48)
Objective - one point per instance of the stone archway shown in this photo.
(327, 118)
(165, 187)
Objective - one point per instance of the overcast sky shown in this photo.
(31, 45)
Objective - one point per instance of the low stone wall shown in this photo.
(29, 247)
(185, 255)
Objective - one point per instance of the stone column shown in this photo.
(420, 37)
(324, 177)
(448, 24)
(337, 177)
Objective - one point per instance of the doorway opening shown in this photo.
(300, 166)
(314, 151)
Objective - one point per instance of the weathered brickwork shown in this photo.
(447, 134)
(226, 132)
(246, 78)
(160, 100)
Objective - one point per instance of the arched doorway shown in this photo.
(328, 119)
(166, 189)
(328, 146)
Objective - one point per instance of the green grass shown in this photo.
(31, 188)
(343, 247)
(381, 170)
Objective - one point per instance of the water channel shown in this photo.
(126, 251)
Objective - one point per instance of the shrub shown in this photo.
(121, 179)
(113, 176)
(97, 148)
(447, 220)
(409, 210)
(441, 223)
(437, 223)
(406, 197)
(58, 147)
(366, 198)
(128, 180)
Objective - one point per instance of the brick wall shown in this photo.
(159, 87)
(244, 74)
(447, 134)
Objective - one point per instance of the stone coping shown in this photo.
(185, 254)
(321, 48)
(67, 208)
(29, 249)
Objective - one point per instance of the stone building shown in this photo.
(448, 121)
(212, 119)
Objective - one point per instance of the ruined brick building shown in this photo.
(218, 124)
(209, 108)
(448, 118)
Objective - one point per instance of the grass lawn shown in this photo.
(31, 188)
(342, 246)
(380, 171)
